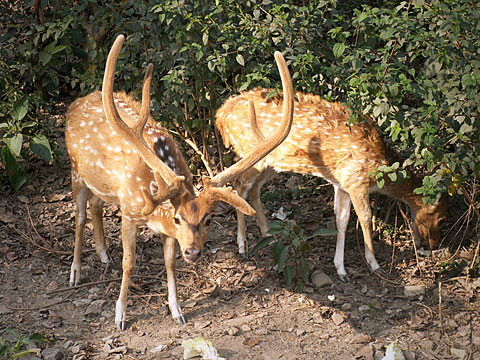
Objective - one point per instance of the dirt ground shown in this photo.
(242, 306)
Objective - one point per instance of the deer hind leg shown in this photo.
(247, 186)
(80, 194)
(129, 239)
(342, 215)
(169, 253)
(361, 204)
(96, 209)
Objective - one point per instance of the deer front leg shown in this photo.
(80, 194)
(96, 208)
(342, 215)
(361, 204)
(169, 253)
(129, 239)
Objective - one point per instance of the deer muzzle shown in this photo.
(191, 254)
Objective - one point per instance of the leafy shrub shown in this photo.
(290, 249)
(17, 348)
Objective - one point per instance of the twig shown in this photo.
(24, 236)
(33, 226)
(103, 282)
(440, 314)
(413, 238)
(368, 266)
(39, 307)
(194, 147)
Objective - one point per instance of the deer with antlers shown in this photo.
(119, 154)
(321, 144)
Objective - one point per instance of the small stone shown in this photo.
(346, 306)
(361, 339)
(120, 349)
(364, 289)
(414, 290)
(409, 355)
(53, 285)
(75, 349)
(459, 353)
(52, 354)
(476, 340)
(364, 308)
(300, 332)
(366, 352)
(320, 279)
(232, 331)
(337, 319)
(245, 328)
(4, 310)
(221, 280)
(95, 307)
(201, 324)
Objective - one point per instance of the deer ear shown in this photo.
(153, 187)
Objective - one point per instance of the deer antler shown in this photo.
(276, 139)
(170, 183)
(253, 122)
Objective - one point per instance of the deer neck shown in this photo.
(404, 191)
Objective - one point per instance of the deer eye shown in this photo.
(177, 220)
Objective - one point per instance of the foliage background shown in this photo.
(413, 66)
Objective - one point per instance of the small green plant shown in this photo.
(291, 248)
(13, 133)
(17, 348)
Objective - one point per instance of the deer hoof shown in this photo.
(344, 278)
(120, 325)
(180, 320)
(381, 272)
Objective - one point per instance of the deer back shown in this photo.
(108, 164)
(320, 143)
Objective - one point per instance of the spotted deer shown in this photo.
(119, 154)
(321, 144)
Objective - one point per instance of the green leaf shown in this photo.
(261, 244)
(325, 232)
(240, 59)
(277, 250)
(39, 145)
(44, 57)
(14, 143)
(380, 182)
(275, 227)
(393, 176)
(338, 49)
(288, 274)
(16, 175)
(304, 269)
(20, 109)
(282, 258)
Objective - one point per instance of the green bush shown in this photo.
(411, 65)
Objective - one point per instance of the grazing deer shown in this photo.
(120, 155)
(321, 144)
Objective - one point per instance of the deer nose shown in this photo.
(191, 254)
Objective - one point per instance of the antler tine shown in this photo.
(252, 117)
(276, 139)
(134, 136)
(145, 109)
